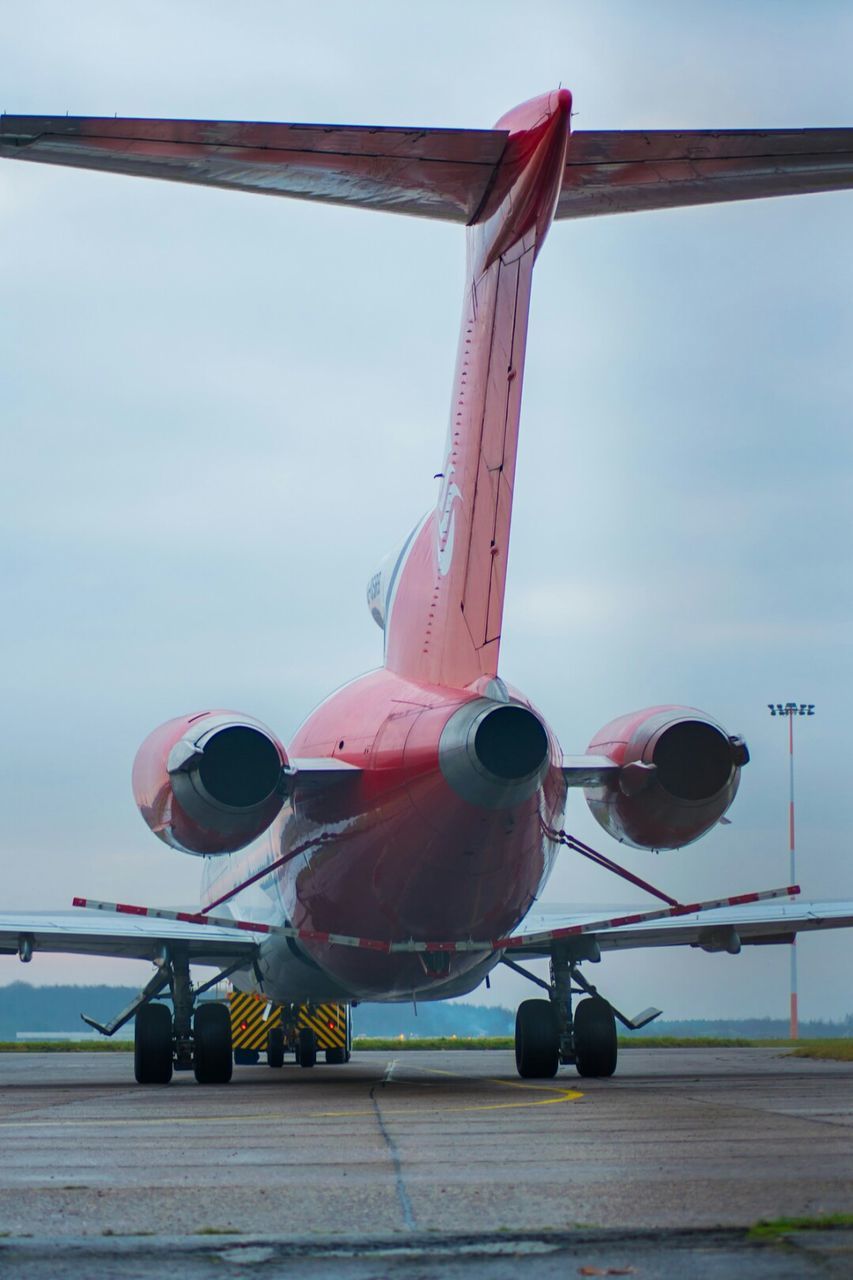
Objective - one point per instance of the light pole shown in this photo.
(791, 709)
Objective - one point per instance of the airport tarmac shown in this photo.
(419, 1151)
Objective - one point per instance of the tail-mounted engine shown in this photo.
(678, 772)
(209, 783)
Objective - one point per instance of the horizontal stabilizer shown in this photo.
(450, 174)
(627, 171)
(434, 173)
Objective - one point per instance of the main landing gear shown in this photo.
(549, 1034)
(197, 1037)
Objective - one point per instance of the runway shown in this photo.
(418, 1145)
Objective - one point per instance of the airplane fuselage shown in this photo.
(396, 851)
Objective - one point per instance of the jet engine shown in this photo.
(678, 773)
(209, 783)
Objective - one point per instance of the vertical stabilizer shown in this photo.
(445, 618)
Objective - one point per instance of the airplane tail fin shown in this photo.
(444, 622)
(507, 184)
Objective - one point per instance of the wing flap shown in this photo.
(722, 929)
(628, 171)
(433, 173)
(123, 937)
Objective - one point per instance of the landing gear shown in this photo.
(595, 1038)
(587, 1039)
(164, 1042)
(275, 1047)
(546, 1033)
(152, 1045)
(212, 1060)
(537, 1040)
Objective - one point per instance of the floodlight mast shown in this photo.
(791, 709)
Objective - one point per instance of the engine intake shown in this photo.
(679, 773)
(209, 783)
(693, 759)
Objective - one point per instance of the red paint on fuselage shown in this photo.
(412, 858)
(395, 853)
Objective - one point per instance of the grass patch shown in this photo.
(507, 1042)
(769, 1229)
(66, 1046)
(385, 1045)
(438, 1042)
(217, 1231)
(685, 1042)
(837, 1050)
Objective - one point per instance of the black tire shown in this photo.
(537, 1040)
(337, 1057)
(152, 1044)
(306, 1047)
(596, 1049)
(213, 1062)
(275, 1047)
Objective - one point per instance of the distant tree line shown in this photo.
(27, 1008)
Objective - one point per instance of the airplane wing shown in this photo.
(450, 174)
(628, 171)
(127, 937)
(724, 929)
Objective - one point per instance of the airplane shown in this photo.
(397, 848)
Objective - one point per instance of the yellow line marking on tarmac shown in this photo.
(555, 1093)
(561, 1095)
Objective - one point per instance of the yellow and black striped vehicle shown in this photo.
(259, 1026)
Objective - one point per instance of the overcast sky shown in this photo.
(219, 411)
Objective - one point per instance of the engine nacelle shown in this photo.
(209, 783)
(678, 774)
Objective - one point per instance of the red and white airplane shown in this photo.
(392, 851)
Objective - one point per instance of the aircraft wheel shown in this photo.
(537, 1040)
(152, 1044)
(275, 1047)
(336, 1057)
(595, 1038)
(212, 1059)
(306, 1047)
